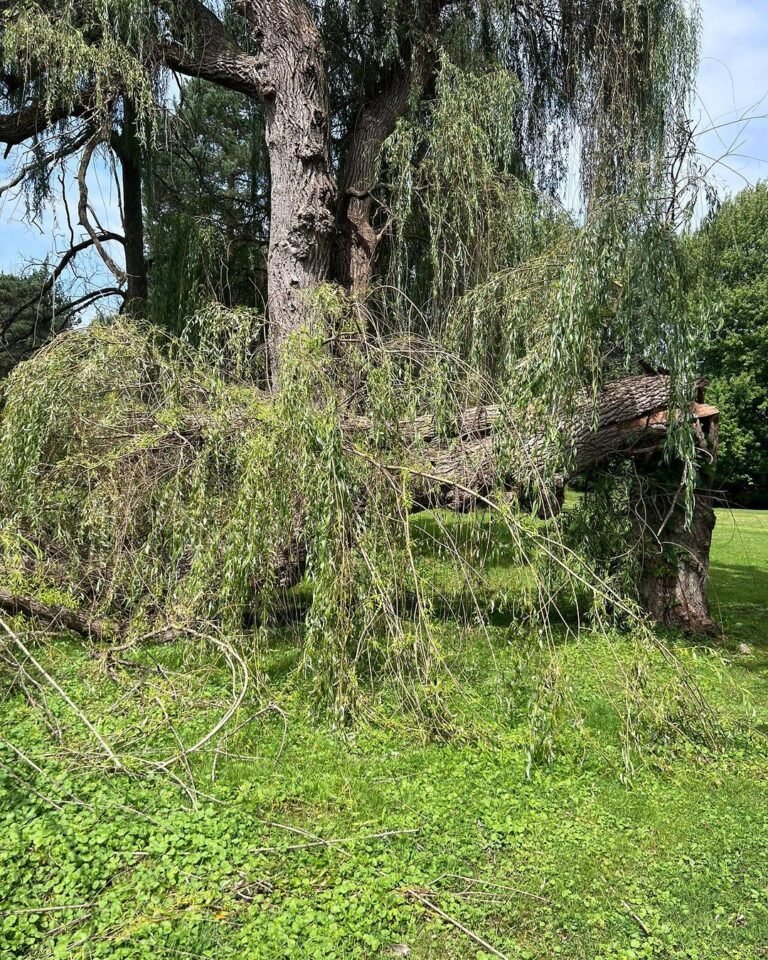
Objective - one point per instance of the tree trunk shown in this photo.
(294, 90)
(128, 149)
(675, 568)
(359, 237)
(675, 565)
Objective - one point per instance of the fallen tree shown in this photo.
(629, 419)
(464, 471)
(410, 155)
(53, 615)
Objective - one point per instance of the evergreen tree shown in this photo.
(29, 318)
(209, 205)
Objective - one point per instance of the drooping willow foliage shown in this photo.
(542, 304)
(148, 481)
(604, 86)
(64, 50)
(154, 481)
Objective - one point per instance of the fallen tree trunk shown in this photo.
(632, 420)
(629, 420)
(64, 618)
(54, 615)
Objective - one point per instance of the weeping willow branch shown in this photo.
(17, 642)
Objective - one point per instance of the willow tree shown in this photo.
(333, 80)
(414, 153)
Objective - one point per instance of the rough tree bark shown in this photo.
(303, 190)
(358, 236)
(286, 72)
(673, 581)
(675, 563)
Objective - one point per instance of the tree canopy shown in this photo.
(732, 249)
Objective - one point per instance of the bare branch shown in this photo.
(82, 207)
(81, 303)
(66, 149)
(56, 273)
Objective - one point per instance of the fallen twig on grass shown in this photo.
(62, 693)
(335, 841)
(491, 883)
(417, 895)
(635, 917)
(270, 707)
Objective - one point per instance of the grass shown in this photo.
(304, 842)
(740, 573)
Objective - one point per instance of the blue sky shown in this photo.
(733, 83)
(731, 109)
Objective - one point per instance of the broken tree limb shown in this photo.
(631, 421)
(64, 618)
(55, 615)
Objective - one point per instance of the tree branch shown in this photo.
(53, 615)
(28, 122)
(66, 149)
(75, 306)
(82, 207)
(55, 274)
(216, 56)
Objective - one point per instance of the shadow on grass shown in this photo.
(739, 596)
(733, 584)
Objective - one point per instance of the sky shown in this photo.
(733, 87)
(23, 243)
(730, 112)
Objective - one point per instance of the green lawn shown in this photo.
(300, 842)
(739, 584)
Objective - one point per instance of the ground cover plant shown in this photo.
(283, 837)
